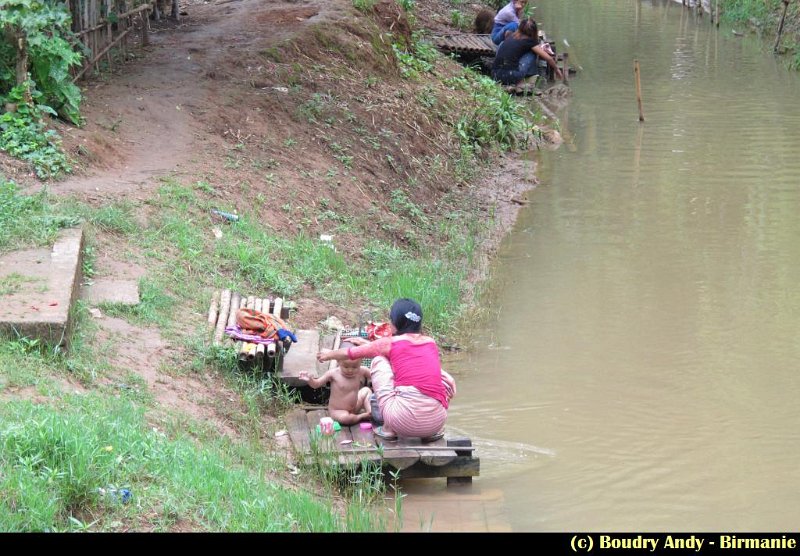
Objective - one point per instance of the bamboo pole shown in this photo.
(144, 14)
(248, 351)
(95, 46)
(276, 310)
(638, 89)
(213, 311)
(109, 38)
(718, 14)
(87, 41)
(87, 67)
(242, 301)
(230, 318)
(261, 348)
(224, 307)
(780, 26)
(565, 70)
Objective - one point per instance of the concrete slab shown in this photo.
(107, 290)
(38, 287)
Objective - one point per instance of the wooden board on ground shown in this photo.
(301, 357)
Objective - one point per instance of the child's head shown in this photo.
(519, 4)
(349, 367)
(406, 316)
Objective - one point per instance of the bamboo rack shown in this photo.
(222, 314)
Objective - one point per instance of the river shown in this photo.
(640, 365)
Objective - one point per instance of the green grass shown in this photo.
(55, 460)
(31, 362)
(30, 220)
(188, 262)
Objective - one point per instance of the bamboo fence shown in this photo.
(102, 25)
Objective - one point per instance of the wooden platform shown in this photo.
(449, 457)
(303, 356)
(466, 43)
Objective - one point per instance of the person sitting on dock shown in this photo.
(517, 59)
(411, 389)
(507, 20)
(349, 400)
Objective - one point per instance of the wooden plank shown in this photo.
(326, 447)
(297, 426)
(437, 457)
(397, 455)
(461, 466)
(345, 456)
(363, 449)
(302, 357)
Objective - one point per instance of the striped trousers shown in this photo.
(406, 411)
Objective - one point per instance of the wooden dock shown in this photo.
(453, 458)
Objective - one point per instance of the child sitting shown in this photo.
(349, 396)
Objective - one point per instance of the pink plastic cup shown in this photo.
(326, 426)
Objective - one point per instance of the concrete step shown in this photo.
(38, 288)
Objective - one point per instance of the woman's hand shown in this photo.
(450, 384)
(559, 74)
(356, 340)
(324, 355)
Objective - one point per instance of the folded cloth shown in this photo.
(236, 333)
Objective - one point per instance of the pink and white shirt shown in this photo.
(414, 359)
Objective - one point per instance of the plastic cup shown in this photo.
(326, 426)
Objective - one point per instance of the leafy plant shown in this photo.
(496, 118)
(44, 28)
(24, 135)
(459, 20)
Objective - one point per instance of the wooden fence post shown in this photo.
(638, 89)
(145, 27)
(780, 26)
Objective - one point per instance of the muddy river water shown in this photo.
(640, 366)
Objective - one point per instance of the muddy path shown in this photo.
(154, 116)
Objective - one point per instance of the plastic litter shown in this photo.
(225, 215)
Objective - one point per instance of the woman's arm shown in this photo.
(381, 346)
(540, 52)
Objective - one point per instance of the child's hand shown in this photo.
(304, 376)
